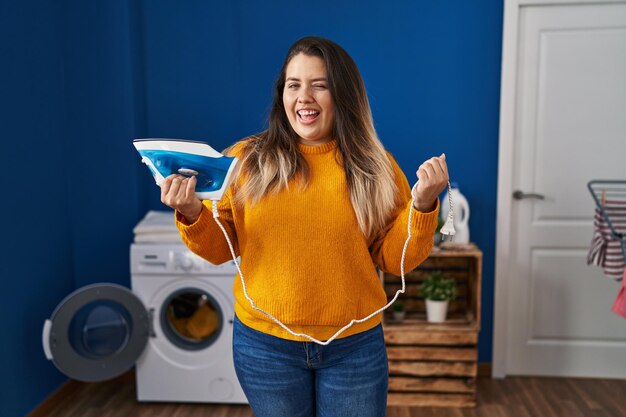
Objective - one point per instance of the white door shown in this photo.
(563, 124)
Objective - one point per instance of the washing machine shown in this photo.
(175, 325)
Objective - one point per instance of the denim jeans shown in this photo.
(283, 378)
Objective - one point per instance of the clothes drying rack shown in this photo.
(602, 190)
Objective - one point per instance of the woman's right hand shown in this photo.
(179, 193)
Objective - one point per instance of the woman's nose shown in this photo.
(305, 95)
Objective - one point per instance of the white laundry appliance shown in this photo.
(175, 325)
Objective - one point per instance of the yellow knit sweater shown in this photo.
(303, 256)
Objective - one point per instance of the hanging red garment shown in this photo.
(619, 306)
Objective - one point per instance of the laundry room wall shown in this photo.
(104, 107)
(85, 78)
(36, 259)
(70, 191)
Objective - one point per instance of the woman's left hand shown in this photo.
(433, 179)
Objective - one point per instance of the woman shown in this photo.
(317, 206)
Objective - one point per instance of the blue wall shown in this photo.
(100, 68)
(36, 256)
(84, 78)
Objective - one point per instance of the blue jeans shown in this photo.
(283, 378)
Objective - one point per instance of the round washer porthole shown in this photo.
(191, 319)
(100, 329)
(97, 332)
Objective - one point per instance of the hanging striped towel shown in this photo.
(606, 248)
(619, 306)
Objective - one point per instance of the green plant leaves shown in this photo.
(438, 288)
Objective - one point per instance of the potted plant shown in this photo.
(438, 291)
(398, 310)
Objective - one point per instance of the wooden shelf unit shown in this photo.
(435, 364)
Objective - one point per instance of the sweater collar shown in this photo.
(318, 149)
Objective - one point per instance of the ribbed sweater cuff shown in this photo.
(424, 222)
(196, 229)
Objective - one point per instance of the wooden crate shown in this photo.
(435, 364)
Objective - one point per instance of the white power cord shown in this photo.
(448, 226)
(447, 229)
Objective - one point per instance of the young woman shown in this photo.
(317, 206)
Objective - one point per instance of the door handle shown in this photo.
(519, 195)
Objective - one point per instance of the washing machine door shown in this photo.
(97, 332)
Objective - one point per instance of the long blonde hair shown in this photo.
(271, 159)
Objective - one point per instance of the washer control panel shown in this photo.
(150, 258)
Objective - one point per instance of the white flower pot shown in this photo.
(436, 311)
(398, 315)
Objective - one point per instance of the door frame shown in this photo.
(508, 83)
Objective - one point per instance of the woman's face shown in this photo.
(307, 99)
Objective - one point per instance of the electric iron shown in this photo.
(213, 171)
